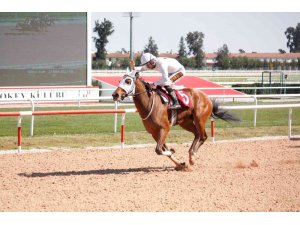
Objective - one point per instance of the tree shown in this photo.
(281, 51)
(270, 64)
(265, 64)
(276, 64)
(123, 50)
(182, 49)
(234, 63)
(151, 47)
(237, 62)
(182, 53)
(222, 59)
(293, 64)
(241, 50)
(284, 65)
(124, 62)
(137, 60)
(293, 36)
(195, 44)
(103, 30)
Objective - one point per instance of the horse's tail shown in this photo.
(224, 114)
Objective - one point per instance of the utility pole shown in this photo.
(131, 15)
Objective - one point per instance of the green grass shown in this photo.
(97, 130)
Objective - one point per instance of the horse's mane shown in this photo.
(146, 84)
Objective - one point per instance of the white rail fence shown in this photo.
(256, 107)
(124, 111)
(205, 72)
(91, 95)
(79, 94)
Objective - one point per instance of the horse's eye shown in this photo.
(128, 81)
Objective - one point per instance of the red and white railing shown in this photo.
(67, 112)
(124, 111)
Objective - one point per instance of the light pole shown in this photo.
(131, 15)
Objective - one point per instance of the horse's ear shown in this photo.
(137, 75)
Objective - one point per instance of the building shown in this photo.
(279, 57)
(210, 57)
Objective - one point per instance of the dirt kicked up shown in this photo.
(231, 176)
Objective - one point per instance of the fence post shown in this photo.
(255, 112)
(32, 118)
(19, 133)
(212, 127)
(122, 130)
(290, 123)
(79, 102)
(116, 117)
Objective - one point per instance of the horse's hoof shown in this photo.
(172, 150)
(158, 151)
(192, 161)
(183, 167)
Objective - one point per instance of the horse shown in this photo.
(157, 118)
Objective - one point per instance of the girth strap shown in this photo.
(173, 117)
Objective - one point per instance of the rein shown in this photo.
(136, 94)
(153, 100)
(152, 105)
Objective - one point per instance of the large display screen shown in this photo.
(43, 49)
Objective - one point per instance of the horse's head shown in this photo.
(126, 86)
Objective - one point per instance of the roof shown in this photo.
(259, 55)
(126, 55)
(186, 81)
(121, 55)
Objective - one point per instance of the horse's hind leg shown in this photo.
(200, 141)
(199, 121)
(190, 126)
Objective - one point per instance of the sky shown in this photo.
(250, 31)
(255, 25)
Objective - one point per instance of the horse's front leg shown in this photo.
(166, 148)
(160, 136)
(179, 165)
(173, 159)
(162, 149)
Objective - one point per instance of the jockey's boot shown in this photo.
(176, 104)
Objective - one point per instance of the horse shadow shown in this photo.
(144, 170)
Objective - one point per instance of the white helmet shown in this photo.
(146, 57)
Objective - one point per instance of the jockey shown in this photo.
(170, 70)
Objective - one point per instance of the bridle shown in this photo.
(131, 92)
(150, 90)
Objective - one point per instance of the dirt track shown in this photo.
(235, 176)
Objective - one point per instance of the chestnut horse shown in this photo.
(157, 117)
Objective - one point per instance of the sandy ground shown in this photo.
(231, 176)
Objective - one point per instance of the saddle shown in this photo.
(182, 96)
